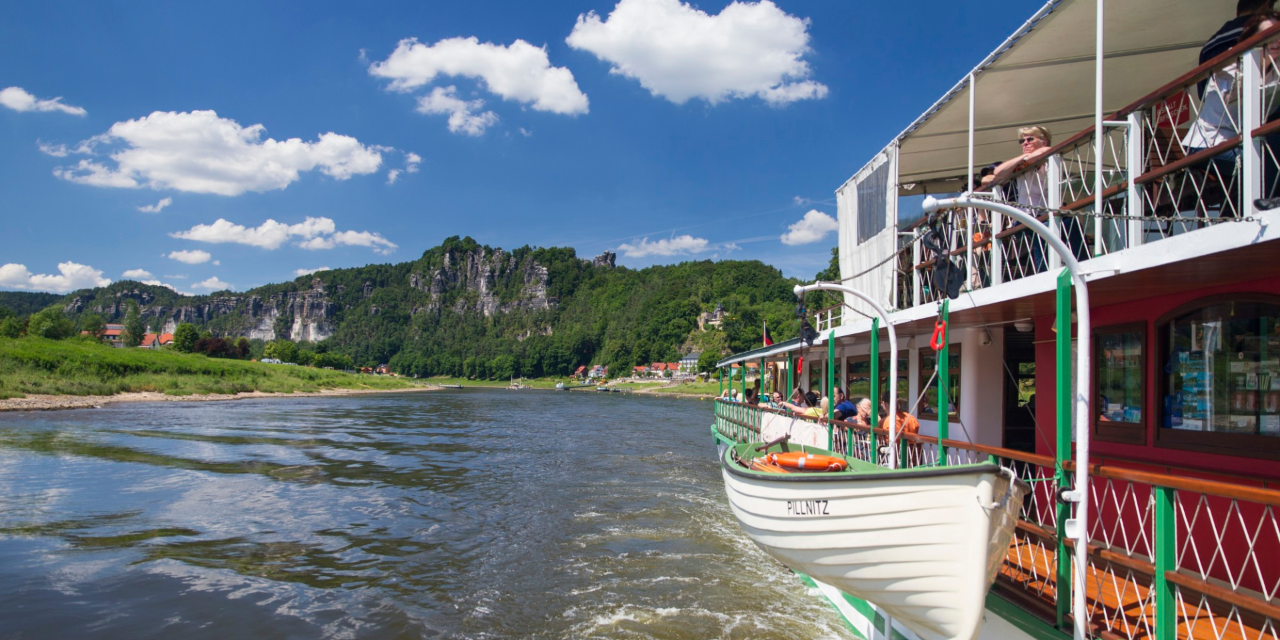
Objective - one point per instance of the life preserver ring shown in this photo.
(807, 461)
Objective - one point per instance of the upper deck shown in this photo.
(1136, 200)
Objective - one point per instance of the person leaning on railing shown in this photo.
(1030, 188)
(1219, 116)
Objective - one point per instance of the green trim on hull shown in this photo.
(1024, 621)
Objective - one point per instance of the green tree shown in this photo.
(13, 327)
(305, 358)
(185, 336)
(707, 361)
(134, 327)
(93, 324)
(243, 348)
(282, 350)
(51, 323)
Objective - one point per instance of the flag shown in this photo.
(768, 339)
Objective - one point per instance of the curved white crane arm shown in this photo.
(893, 360)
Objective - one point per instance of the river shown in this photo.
(453, 514)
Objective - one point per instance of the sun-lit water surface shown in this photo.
(456, 514)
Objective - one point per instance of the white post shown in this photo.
(1136, 159)
(1077, 527)
(971, 101)
(1099, 136)
(969, 219)
(1053, 175)
(917, 293)
(997, 249)
(1250, 119)
(893, 348)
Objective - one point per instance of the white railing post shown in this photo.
(1136, 161)
(997, 248)
(917, 294)
(970, 275)
(1250, 119)
(1053, 175)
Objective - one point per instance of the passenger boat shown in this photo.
(924, 544)
(1146, 418)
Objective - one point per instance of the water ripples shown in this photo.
(472, 514)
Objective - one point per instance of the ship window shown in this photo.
(928, 363)
(1119, 362)
(858, 378)
(1220, 377)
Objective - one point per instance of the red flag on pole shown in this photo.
(768, 339)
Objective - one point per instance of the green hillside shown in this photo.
(469, 310)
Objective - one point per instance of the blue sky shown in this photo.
(663, 131)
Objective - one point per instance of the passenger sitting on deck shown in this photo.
(845, 410)
(805, 404)
(907, 425)
(1030, 188)
(751, 396)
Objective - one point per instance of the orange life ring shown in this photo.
(807, 461)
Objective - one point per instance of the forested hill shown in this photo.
(467, 309)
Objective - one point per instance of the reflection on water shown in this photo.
(461, 514)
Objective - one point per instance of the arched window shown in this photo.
(1219, 374)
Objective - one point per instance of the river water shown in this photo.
(453, 514)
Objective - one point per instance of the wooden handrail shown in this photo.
(1210, 487)
(1228, 596)
(1204, 155)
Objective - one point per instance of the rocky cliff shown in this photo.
(309, 314)
(476, 279)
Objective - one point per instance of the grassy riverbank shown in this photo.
(86, 368)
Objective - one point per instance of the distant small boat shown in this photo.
(451, 386)
(559, 386)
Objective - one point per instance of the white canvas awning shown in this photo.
(1044, 75)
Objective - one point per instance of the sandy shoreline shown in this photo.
(34, 402)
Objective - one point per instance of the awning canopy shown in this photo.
(763, 352)
(1044, 75)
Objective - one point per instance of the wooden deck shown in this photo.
(1121, 599)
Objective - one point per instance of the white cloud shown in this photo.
(374, 241)
(199, 152)
(180, 276)
(392, 175)
(462, 118)
(666, 247)
(312, 233)
(157, 207)
(268, 235)
(519, 72)
(814, 226)
(525, 132)
(137, 274)
(55, 150)
(71, 276)
(194, 256)
(157, 283)
(212, 284)
(18, 99)
(679, 52)
(307, 272)
(411, 162)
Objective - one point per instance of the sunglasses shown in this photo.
(1027, 139)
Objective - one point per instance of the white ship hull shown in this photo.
(922, 545)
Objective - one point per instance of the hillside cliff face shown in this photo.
(478, 275)
(310, 314)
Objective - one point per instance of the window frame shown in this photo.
(1229, 444)
(1121, 432)
(904, 357)
(923, 376)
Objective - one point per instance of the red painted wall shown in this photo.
(1243, 470)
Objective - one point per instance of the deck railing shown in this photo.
(1156, 182)
(1169, 556)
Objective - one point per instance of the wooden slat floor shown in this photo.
(1121, 600)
